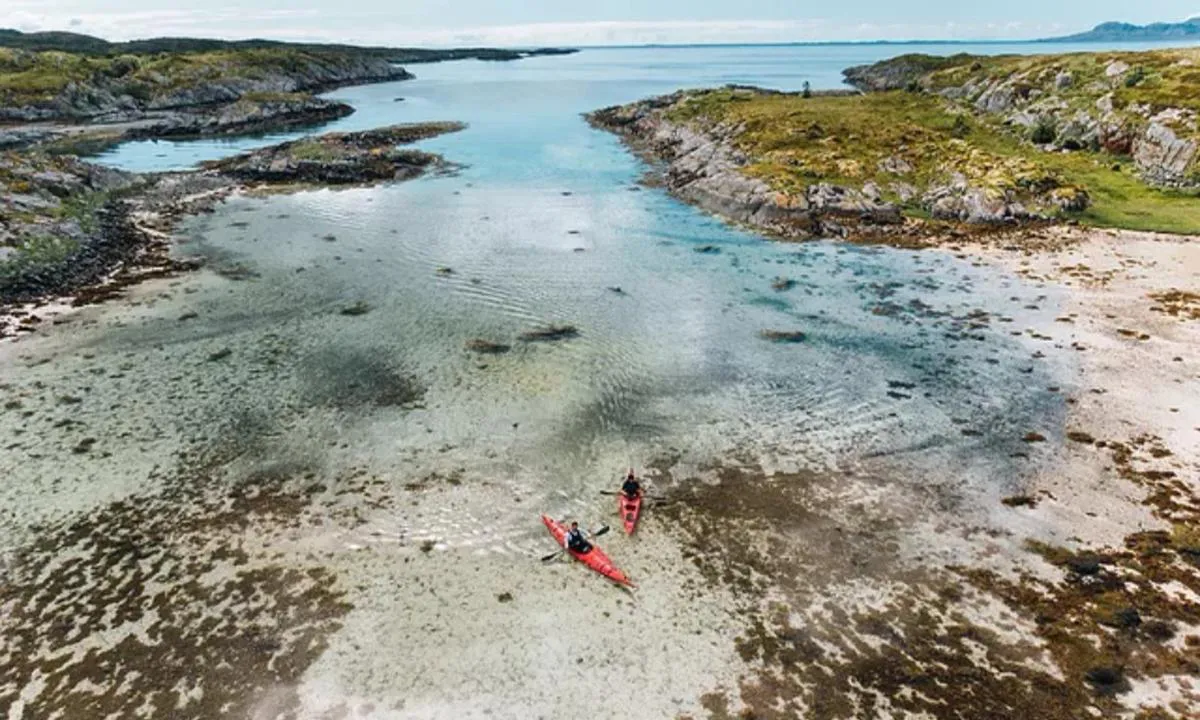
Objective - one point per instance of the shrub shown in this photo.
(141, 91)
(1135, 76)
(122, 65)
(961, 128)
(1044, 131)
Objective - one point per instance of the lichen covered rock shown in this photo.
(1162, 155)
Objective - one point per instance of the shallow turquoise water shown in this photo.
(525, 111)
(546, 217)
(424, 466)
(544, 220)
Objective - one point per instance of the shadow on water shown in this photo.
(349, 378)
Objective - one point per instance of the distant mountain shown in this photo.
(88, 45)
(1125, 32)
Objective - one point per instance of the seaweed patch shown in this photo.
(840, 623)
(177, 604)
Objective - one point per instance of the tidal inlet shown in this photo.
(471, 362)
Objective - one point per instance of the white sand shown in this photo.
(1143, 388)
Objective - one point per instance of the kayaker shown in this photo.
(577, 540)
(632, 488)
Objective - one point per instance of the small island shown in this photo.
(73, 227)
(69, 227)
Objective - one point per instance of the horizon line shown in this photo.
(1062, 39)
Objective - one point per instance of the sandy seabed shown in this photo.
(251, 575)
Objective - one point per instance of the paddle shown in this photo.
(645, 494)
(603, 529)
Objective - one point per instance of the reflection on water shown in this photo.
(342, 317)
(309, 400)
(340, 322)
(522, 111)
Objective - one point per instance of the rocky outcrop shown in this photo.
(129, 93)
(1140, 105)
(959, 202)
(246, 116)
(997, 99)
(59, 224)
(702, 164)
(17, 137)
(1161, 155)
(899, 73)
(339, 158)
(250, 115)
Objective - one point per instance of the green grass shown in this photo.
(29, 78)
(1129, 204)
(82, 207)
(793, 142)
(315, 150)
(41, 75)
(1160, 79)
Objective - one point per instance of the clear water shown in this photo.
(542, 222)
(531, 106)
(539, 226)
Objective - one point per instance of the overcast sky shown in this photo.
(583, 22)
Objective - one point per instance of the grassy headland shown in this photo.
(58, 85)
(1106, 139)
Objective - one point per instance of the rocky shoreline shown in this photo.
(132, 87)
(95, 114)
(244, 117)
(702, 164)
(76, 231)
(339, 158)
(933, 149)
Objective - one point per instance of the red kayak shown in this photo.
(629, 509)
(595, 558)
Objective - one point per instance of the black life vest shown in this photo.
(575, 539)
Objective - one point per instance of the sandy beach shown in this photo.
(860, 580)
